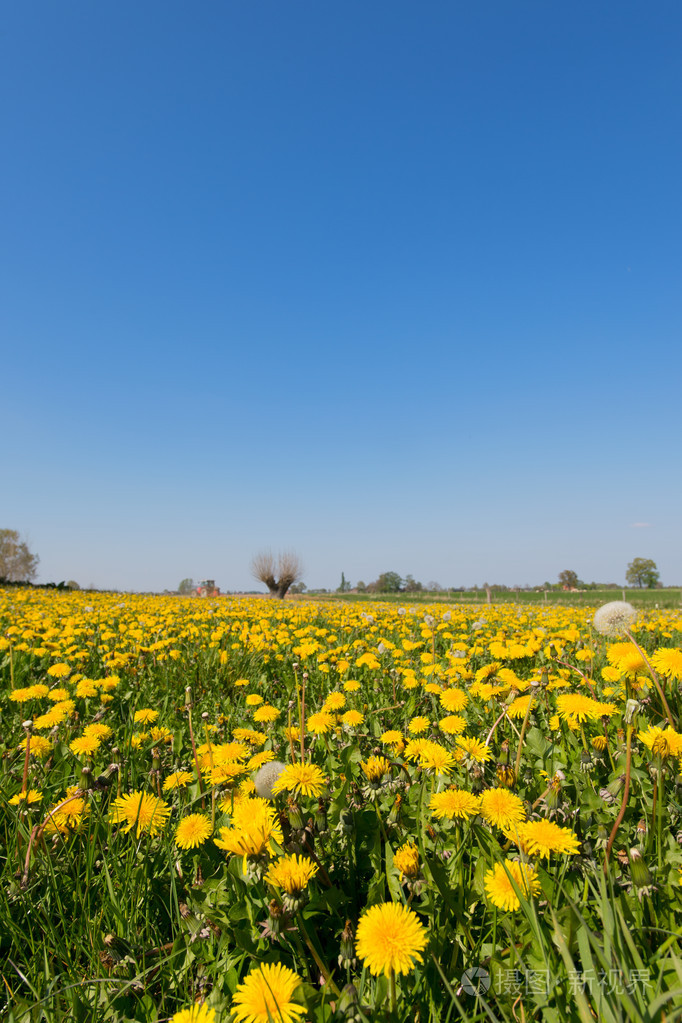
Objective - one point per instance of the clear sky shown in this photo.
(394, 284)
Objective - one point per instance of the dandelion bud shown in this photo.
(615, 787)
(640, 873)
(631, 709)
(347, 956)
(505, 776)
(27, 725)
(276, 914)
(586, 762)
(606, 796)
(295, 816)
(204, 715)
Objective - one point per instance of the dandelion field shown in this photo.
(250, 809)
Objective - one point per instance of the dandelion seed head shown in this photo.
(614, 618)
(266, 778)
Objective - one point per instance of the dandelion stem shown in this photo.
(624, 803)
(303, 719)
(188, 705)
(660, 785)
(523, 732)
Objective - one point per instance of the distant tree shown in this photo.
(73, 585)
(434, 587)
(186, 586)
(17, 564)
(288, 570)
(411, 585)
(298, 588)
(360, 586)
(345, 586)
(388, 582)
(642, 572)
(568, 579)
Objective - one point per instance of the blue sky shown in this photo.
(396, 285)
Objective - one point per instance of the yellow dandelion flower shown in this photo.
(574, 707)
(626, 658)
(177, 780)
(320, 724)
(249, 735)
(60, 670)
(267, 994)
(55, 695)
(291, 873)
(453, 724)
(226, 773)
(192, 831)
(375, 768)
(98, 730)
(517, 708)
(352, 718)
(266, 714)
(258, 759)
(668, 661)
(406, 860)
(28, 693)
(352, 686)
(196, 1014)
(301, 779)
(40, 746)
(540, 838)
(500, 889)
(30, 797)
(141, 811)
(86, 688)
(390, 937)
(255, 829)
(455, 803)
(226, 751)
(454, 699)
(435, 758)
(415, 748)
(663, 742)
(67, 815)
(418, 725)
(253, 700)
(334, 702)
(145, 716)
(502, 808)
(473, 749)
(85, 745)
(392, 738)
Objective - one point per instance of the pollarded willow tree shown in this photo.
(277, 574)
(17, 564)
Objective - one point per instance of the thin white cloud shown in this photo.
(641, 525)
